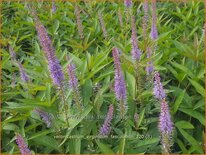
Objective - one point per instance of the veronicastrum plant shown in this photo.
(102, 77)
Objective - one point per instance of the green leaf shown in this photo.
(141, 117)
(178, 101)
(194, 114)
(87, 91)
(191, 140)
(131, 83)
(181, 145)
(144, 142)
(39, 134)
(56, 26)
(198, 87)
(74, 121)
(10, 127)
(121, 145)
(104, 148)
(184, 125)
(48, 142)
(183, 69)
(200, 104)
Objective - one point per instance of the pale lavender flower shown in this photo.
(158, 91)
(12, 53)
(165, 123)
(73, 81)
(120, 18)
(23, 147)
(145, 18)
(77, 12)
(54, 8)
(102, 24)
(13, 83)
(23, 73)
(46, 117)
(154, 33)
(150, 67)
(128, 3)
(165, 127)
(106, 127)
(119, 86)
(136, 119)
(136, 53)
(54, 66)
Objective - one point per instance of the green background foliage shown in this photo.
(179, 57)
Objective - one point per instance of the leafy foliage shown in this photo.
(179, 57)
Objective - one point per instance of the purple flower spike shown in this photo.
(136, 119)
(56, 71)
(46, 117)
(165, 123)
(12, 54)
(54, 66)
(165, 127)
(102, 24)
(128, 3)
(120, 18)
(145, 18)
(23, 147)
(119, 86)
(106, 127)
(154, 33)
(54, 8)
(79, 22)
(73, 81)
(136, 53)
(158, 91)
(150, 66)
(23, 74)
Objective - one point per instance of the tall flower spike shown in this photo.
(158, 91)
(154, 33)
(102, 24)
(120, 88)
(54, 66)
(23, 147)
(77, 12)
(12, 53)
(23, 74)
(54, 8)
(128, 3)
(136, 119)
(136, 53)
(46, 117)
(165, 127)
(106, 127)
(120, 18)
(165, 123)
(119, 84)
(13, 80)
(145, 18)
(73, 83)
(150, 67)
